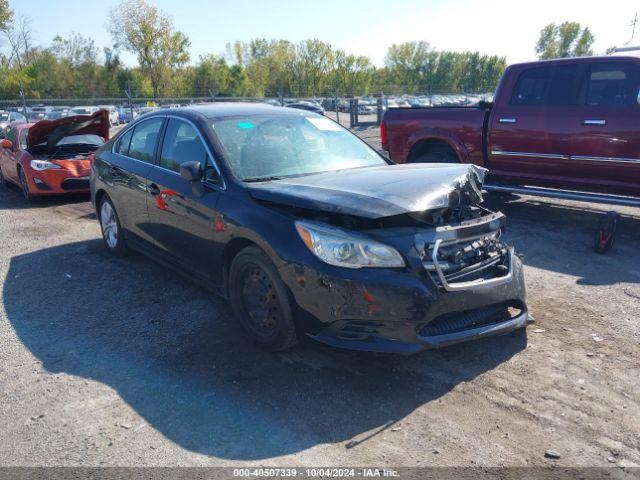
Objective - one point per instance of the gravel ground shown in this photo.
(111, 361)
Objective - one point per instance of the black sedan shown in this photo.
(309, 231)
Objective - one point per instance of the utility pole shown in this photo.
(335, 103)
(24, 102)
(633, 28)
(127, 92)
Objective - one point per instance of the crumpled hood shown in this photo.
(375, 192)
(52, 131)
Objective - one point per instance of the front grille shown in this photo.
(479, 258)
(75, 184)
(469, 319)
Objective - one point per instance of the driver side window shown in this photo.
(183, 144)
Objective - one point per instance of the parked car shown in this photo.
(34, 116)
(308, 230)
(9, 118)
(56, 114)
(52, 157)
(114, 117)
(88, 110)
(146, 110)
(366, 109)
(566, 124)
(308, 106)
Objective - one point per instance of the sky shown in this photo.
(496, 27)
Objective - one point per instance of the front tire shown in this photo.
(112, 233)
(24, 186)
(260, 300)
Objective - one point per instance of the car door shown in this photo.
(605, 144)
(182, 218)
(529, 132)
(127, 169)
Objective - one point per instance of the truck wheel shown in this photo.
(260, 300)
(438, 154)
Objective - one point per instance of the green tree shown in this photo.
(6, 15)
(408, 64)
(148, 32)
(211, 75)
(352, 75)
(568, 39)
(310, 66)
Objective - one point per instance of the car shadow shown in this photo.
(560, 237)
(175, 354)
(11, 199)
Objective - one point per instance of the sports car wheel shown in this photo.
(24, 186)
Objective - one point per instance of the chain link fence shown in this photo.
(351, 111)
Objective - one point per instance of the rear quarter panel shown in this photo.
(461, 128)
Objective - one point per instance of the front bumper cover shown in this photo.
(388, 310)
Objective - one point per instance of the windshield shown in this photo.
(4, 117)
(88, 139)
(263, 147)
(81, 140)
(81, 111)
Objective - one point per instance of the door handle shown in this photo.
(594, 122)
(507, 120)
(153, 189)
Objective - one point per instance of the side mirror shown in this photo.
(4, 143)
(192, 173)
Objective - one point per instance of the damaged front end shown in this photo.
(460, 280)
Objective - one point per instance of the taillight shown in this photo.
(383, 135)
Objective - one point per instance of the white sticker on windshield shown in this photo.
(324, 124)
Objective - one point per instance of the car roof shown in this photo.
(231, 109)
(574, 60)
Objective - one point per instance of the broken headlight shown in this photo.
(343, 249)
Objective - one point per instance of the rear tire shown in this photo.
(112, 233)
(438, 154)
(260, 300)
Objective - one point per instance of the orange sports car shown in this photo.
(52, 157)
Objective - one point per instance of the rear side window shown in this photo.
(123, 143)
(144, 139)
(181, 144)
(613, 85)
(547, 86)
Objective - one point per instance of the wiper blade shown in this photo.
(261, 179)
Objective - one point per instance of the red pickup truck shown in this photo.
(571, 124)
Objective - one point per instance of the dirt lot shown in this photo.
(118, 362)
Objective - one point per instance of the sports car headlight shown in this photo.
(343, 249)
(41, 165)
